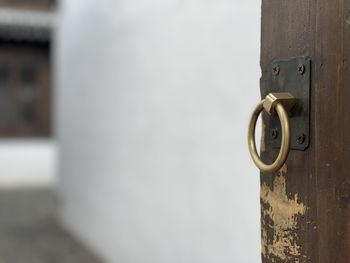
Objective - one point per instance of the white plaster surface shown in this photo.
(153, 103)
(28, 163)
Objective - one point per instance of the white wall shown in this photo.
(27, 163)
(153, 103)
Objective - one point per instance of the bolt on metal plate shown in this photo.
(294, 77)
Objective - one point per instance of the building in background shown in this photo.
(29, 231)
(25, 67)
(27, 149)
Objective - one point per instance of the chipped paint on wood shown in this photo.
(280, 220)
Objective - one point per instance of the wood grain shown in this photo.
(318, 178)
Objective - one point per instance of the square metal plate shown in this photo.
(292, 76)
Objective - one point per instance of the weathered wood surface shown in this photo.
(305, 208)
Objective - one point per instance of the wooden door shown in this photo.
(24, 90)
(305, 207)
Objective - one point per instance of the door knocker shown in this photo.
(274, 103)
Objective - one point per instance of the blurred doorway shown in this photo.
(25, 38)
(29, 231)
(27, 150)
(24, 89)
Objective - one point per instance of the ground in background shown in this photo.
(29, 232)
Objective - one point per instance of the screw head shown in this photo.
(301, 69)
(275, 70)
(274, 133)
(301, 138)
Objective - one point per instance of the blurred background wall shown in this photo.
(152, 102)
(28, 163)
(28, 153)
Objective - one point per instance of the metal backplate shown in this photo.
(292, 76)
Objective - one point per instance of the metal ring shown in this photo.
(286, 139)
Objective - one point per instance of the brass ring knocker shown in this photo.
(280, 103)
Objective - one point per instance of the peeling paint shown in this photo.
(280, 220)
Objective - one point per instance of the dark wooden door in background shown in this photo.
(24, 90)
(305, 208)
